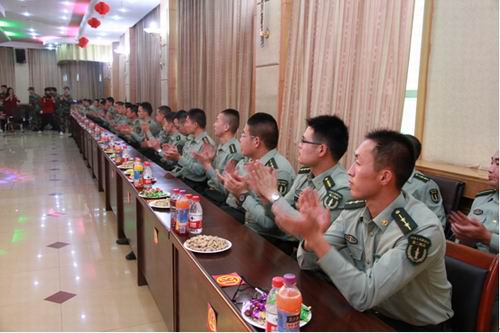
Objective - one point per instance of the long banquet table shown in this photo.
(181, 281)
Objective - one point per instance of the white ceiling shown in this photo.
(56, 21)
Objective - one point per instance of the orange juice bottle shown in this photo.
(289, 302)
(182, 208)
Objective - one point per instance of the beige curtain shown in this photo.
(101, 53)
(43, 70)
(215, 56)
(85, 78)
(348, 58)
(146, 47)
(7, 63)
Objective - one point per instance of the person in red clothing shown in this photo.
(10, 102)
(48, 103)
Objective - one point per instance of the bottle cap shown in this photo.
(147, 163)
(196, 198)
(189, 195)
(289, 279)
(182, 191)
(277, 282)
(175, 190)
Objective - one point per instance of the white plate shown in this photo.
(153, 204)
(209, 252)
(255, 323)
(122, 167)
(166, 195)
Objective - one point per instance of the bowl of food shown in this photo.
(207, 244)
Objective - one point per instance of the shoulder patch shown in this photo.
(328, 182)
(434, 193)
(485, 192)
(404, 220)
(282, 186)
(417, 249)
(304, 170)
(272, 163)
(354, 204)
(421, 177)
(332, 199)
(232, 148)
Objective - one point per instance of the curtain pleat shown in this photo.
(7, 63)
(43, 70)
(85, 78)
(348, 58)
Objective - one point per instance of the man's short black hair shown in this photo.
(264, 126)
(134, 108)
(66, 88)
(111, 100)
(102, 101)
(170, 116)
(120, 103)
(417, 146)
(198, 116)
(164, 110)
(181, 116)
(31, 89)
(393, 150)
(332, 131)
(146, 106)
(233, 119)
(128, 105)
(47, 89)
(4, 86)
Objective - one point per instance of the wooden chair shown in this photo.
(474, 277)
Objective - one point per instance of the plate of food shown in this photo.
(207, 244)
(154, 193)
(109, 151)
(126, 165)
(253, 312)
(160, 203)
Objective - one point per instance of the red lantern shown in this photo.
(82, 42)
(93, 22)
(102, 8)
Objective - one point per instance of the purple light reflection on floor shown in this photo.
(8, 175)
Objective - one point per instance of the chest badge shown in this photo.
(351, 239)
(332, 200)
(478, 211)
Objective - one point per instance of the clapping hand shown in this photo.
(469, 230)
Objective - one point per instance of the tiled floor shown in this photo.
(83, 259)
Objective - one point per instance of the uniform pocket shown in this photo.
(356, 251)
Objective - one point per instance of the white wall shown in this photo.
(267, 58)
(461, 117)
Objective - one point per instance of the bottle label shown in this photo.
(271, 322)
(288, 322)
(195, 223)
